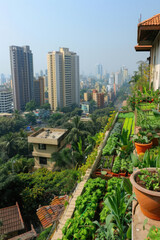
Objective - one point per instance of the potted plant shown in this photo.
(154, 233)
(142, 142)
(146, 185)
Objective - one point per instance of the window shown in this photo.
(42, 160)
(42, 146)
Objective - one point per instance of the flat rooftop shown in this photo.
(48, 135)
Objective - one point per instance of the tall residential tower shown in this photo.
(63, 78)
(22, 75)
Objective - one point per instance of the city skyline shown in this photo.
(101, 32)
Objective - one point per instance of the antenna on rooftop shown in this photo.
(140, 18)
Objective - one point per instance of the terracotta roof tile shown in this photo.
(48, 214)
(11, 219)
(155, 20)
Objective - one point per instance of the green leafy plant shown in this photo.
(81, 225)
(147, 160)
(150, 180)
(105, 231)
(119, 205)
(141, 137)
(117, 165)
(154, 233)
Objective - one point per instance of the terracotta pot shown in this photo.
(122, 174)
(115, 174)
(141, 147)
(149, 201)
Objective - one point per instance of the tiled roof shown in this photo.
(59, 200)
(26, 236)
(48, 214)
(155, 20)
(11, 219)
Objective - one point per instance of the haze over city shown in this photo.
(101, 31)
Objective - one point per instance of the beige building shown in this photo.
(63, 78)
(45, 142)
(87, 96)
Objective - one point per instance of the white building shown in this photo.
(63, 78)
(6, 99)
(149, 40)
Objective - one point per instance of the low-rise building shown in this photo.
(85, 107)
(45, 142)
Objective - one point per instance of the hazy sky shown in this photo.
(99, 31)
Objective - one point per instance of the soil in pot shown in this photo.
(149, 200)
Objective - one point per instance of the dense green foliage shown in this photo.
(112, 140)
(81, 225)
(14, 143)
(33, 189)
(116, 212)
(30, 106)
(11, 125)
(43, 235)
(126, 115)
(30, 118)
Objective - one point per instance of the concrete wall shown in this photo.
(155, 62)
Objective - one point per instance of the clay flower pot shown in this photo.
(149, 201)
(142, 147)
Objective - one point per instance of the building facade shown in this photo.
(21, 59)
(45, 142)
(63, 78)
(39, 91)
(148, 38)
(100, 100)
(6, 99)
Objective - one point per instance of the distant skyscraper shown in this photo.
(99, 71)
(124, 74)
(6, 99)
(39, 91)
(22, 75)
(63, 78)
(3, 79)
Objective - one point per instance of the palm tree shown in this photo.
(79, 153)
(16, 114)
(77, 131)
(63, 159)
(9, 144)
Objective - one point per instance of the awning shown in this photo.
(143, 48)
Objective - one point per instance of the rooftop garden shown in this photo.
(130, 157)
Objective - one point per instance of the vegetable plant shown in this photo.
(116, 165)
(154, 233)
(81, 225)
(119, 210)
(150, 180)
(141, 137)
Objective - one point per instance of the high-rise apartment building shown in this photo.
(39, 91)
(63, 78)
(22, 75)
(6, 99)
